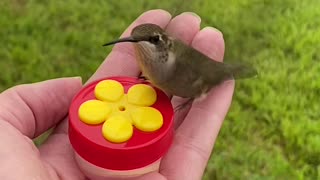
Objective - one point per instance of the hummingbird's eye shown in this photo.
(154, 39)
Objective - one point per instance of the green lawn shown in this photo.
(273, 128)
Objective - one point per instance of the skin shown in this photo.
(28, 110)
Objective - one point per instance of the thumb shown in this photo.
(34, 108)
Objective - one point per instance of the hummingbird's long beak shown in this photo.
(125, 39)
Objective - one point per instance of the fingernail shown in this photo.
(79, 78)
(213, 29)
(159, 12)
(193, 14)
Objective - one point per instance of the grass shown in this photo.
(272, 129)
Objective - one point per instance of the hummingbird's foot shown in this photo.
(141, 77)
(183, 105)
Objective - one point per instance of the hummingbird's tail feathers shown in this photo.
(241, 71)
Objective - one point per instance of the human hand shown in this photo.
(26, 111)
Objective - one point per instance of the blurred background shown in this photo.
(273, 128)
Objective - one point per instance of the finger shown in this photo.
(59, 155)
(184, 26)
(19, 156)
(195, 137)
(210, 42)
(34, 108)
(121, 61)
(153, 176)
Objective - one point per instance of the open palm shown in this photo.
(26, 111)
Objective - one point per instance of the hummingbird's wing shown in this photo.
(205, 72)
(193, 73)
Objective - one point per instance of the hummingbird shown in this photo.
(177, 68)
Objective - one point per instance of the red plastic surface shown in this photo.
(141, 150)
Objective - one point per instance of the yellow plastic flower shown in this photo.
(119, 112)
